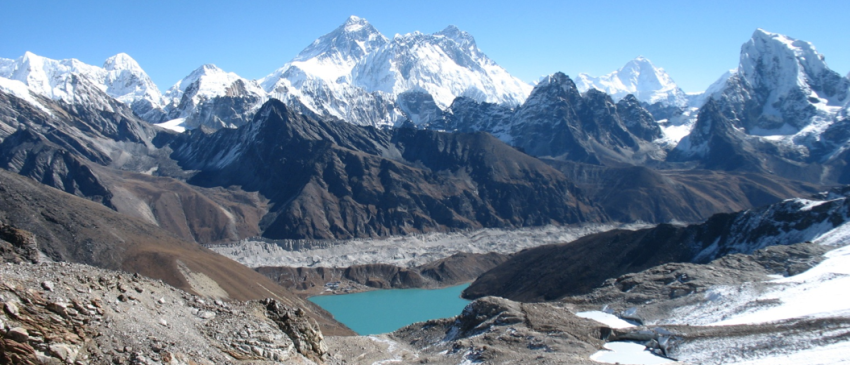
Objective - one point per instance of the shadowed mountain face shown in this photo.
(554, 271)
(559, 122)
(331, 179)
(628, 194)
(108, 157)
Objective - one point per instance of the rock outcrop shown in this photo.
(17, 246)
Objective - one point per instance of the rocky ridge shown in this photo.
(550, 272)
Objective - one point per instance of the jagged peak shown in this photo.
(558, 79)
(460, 37)
(778, 61)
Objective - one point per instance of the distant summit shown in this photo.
(639, 77)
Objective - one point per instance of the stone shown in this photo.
(12, 310)
(47, 285)
(206, 315)
(19, 334)
(64, 352)
(166, 357)
(58, 308)
(163, 322)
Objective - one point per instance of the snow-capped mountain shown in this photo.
(792, 82)
(697, 100)
(333, 55)
(783, 106)
(121, 77)
(356, 74)
(211, 97)
(320, 77)
(558, 121)
(640, 78)
(446, 64)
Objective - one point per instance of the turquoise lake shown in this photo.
(382, 311)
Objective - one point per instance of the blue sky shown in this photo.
(695, 41)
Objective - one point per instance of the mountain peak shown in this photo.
(352, 40)
(558, 79)
(31, 59)
(640, 77)
(782, 63)
(208, 67)
(210, 81)
(354, 24)
(28, 55)
(460, 37)
(121, 61)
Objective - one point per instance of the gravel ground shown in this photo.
(403, 251)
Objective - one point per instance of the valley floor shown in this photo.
(403, 251)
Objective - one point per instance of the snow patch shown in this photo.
(20, 90)
(628, 353)
(607, 319)
(177, 125)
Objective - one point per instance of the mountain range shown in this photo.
(296, 139)
(361, 136)
(782, 111)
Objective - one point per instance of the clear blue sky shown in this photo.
(695, 41)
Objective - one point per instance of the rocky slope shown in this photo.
(337, 180)
(551, 272)
(58, 313)
(91, 316)
(71, 229)
(637, 193)
(109, 157)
